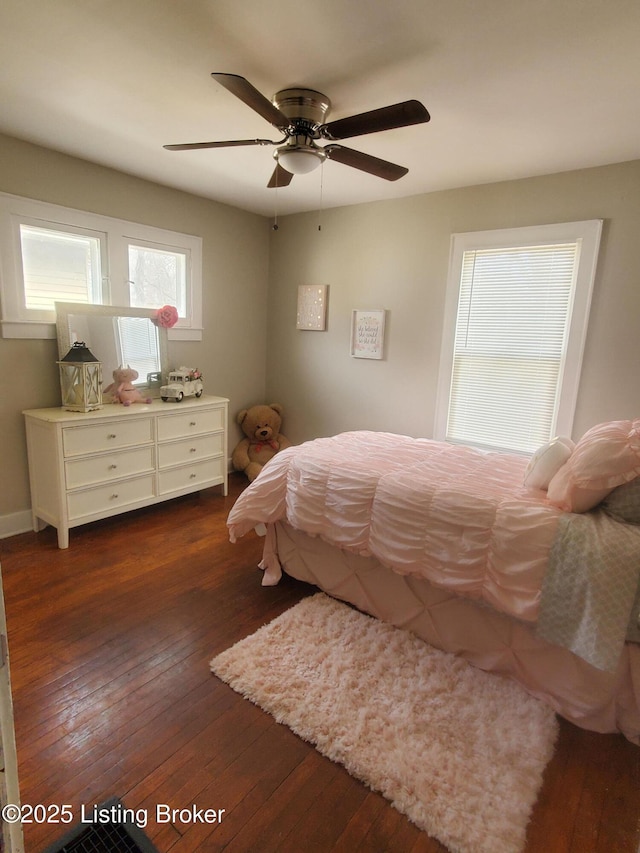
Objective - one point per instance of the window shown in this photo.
(50, 253)
(60, 265)
(516, 318)
(157, 277)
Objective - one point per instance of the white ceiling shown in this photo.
(515, 87)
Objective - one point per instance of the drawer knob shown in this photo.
(114, 496)
(112, 467)
(192, 450)
(192, 423)
(111, 435)
(192, 476)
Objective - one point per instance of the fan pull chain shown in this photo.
(321, 189)
(274, 227)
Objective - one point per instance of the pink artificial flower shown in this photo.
(166, 317)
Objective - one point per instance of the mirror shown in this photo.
(116, 336)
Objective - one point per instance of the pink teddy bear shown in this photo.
(122, 388)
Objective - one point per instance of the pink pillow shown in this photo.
(606, 456)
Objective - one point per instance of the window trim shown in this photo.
(116, 234)
(587, 234)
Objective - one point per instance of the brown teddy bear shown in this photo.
(261, 426)
(123, 390)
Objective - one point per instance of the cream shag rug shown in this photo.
(460, 752)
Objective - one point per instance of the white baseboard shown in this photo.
(14, 523)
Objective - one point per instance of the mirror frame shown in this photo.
(66, 309)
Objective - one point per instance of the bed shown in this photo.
(529, 568)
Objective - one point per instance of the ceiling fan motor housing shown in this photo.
(306, 106)
(306, 109)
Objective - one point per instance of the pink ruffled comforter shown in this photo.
(458, 517)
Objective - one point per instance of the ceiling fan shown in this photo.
(300, 115)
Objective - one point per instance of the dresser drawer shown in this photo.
(193, 422)
(109, 466)
(106, 436)
(196, 476)
(190, 449)
(107, 499)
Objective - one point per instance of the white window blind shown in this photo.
(510, 333)
(138, 345)
(514, 331)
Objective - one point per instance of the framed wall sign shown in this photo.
(312, 307)
(367, 334)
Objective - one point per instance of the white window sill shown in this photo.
(47, 331)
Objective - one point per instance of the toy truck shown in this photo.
(183, 382)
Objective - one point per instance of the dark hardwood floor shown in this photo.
(110, 642)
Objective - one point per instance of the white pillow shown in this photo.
(547, 461)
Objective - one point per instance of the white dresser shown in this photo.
(87, 466)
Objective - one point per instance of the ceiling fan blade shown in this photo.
(280, 178)
(365, 162)
(230, 143)
(386, 118)
(249, 95)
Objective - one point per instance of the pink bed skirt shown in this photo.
(592, 699)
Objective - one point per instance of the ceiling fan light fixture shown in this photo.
(299, 161)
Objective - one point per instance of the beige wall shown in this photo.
(394, 255)
(390, 255)
(235, 263)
